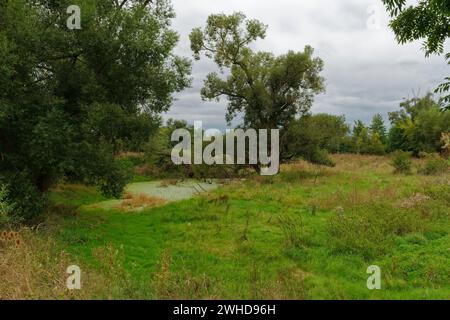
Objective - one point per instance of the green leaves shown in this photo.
(268, 90)
(71, 99)
(226, 38)
(418, 126)
(429, 21)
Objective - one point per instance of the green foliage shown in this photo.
(370, 232)
(359, 129)
(313, 136)
(270, 91)
(160, 165)
(429, 21)
(434, 164)
(377, 127)
(401, 161)
(71, 99)
(418, 126)
(376, 145)
(6, 208)
(329, 129)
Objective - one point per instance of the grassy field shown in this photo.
(309, 233)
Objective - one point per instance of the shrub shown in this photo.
(320, 156)
(27, 199)
(434, 164)
(401, 161)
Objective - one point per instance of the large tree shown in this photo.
(427, 20)
(68, 96)
(268, 91)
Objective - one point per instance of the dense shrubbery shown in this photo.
(71, 100)
(434, 164)
(401, 161)
(313, 136)
(418, 126)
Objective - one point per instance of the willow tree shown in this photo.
(269, 91)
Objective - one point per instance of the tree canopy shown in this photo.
(428, 20)
(268, 90)
(68, 98)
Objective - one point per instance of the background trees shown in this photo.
(70, 98)
(418, 126)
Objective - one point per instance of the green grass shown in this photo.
(309, 233)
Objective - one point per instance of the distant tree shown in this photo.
(367, 140)
(428, 20)
(314, 136)
(375, 145)
(330, 129)
(359, 128)
(268, 90)
(70, 98)
(377, 127)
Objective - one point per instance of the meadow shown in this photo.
(310, 232)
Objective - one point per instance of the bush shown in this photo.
(319, 156)
(401, 161)
(28, 201)
(434, 164)
(6, 208)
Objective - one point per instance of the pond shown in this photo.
(168, 191)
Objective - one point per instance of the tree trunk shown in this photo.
(43, 182)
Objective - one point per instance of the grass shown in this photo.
(308, 233)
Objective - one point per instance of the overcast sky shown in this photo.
(366, 71)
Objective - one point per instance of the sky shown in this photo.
(366, 70)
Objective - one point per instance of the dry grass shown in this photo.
(359, 163)
(354, 199)
(133, 202)
(30, 268)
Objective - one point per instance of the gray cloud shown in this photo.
(367, 72)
